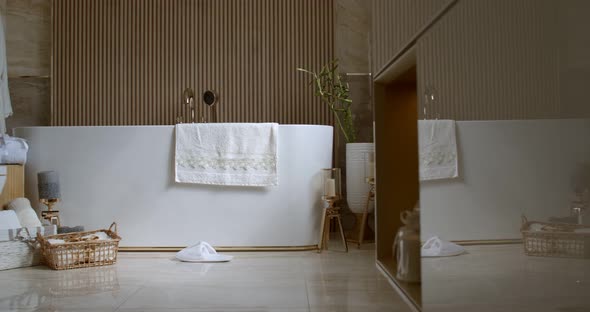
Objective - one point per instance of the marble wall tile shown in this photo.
(351, 47)
(351, 38)
(28, 37)
(30, 102)
(28, 44)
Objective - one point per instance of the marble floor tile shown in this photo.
(503, 278)
(219, 297)
(264, 281)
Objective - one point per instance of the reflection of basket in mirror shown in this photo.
(80, 283)
(555, 239)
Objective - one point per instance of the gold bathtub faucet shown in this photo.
(210, 98)
(189, 99)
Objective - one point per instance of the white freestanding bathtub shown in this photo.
(126, 174)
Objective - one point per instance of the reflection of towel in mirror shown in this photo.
(5, 106)
(438, 149)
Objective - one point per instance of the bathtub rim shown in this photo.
(161, 126)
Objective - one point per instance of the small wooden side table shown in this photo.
(331, 212)
(52, 216)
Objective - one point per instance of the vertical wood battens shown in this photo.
(468, 65)
(466, 54)
(127, 62)
(396, 22)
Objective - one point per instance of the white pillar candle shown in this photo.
(371, 170)
(330, 187)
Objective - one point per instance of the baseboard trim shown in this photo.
(221, 248)
(488, 242)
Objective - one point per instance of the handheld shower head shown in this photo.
(210, 98)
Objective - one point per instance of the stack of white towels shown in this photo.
(13, 150)
(19, 214)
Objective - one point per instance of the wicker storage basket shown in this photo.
(555, 239)
(78, 253)
(19, 248)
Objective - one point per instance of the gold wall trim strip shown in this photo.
(127, 62)
(488, 242)
(223, 248)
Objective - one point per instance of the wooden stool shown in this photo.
(332, 212)
(52, 216)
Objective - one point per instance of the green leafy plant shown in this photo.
(328, 85)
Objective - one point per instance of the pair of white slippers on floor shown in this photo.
(201, 252)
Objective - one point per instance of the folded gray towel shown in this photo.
(70, 229)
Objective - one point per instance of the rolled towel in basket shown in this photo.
(96, 236)
(25, 213)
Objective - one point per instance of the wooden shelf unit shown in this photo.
(15, 184)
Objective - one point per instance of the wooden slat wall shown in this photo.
(395, 23)
(126, 62)
(486, 59)
(492, 60)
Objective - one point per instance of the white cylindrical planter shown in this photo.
(357, 187)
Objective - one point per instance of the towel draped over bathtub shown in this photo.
(438, 149)
(227, 153)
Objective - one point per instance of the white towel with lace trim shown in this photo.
(227, 153)
(438, 149)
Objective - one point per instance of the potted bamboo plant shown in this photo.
(329, 86)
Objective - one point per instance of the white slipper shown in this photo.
(436, 247)
(201, 252)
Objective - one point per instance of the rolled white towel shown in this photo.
(97, 236)
(9, 220)
(56, 241)
(25, 213)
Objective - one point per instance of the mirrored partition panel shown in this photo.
(481, 117)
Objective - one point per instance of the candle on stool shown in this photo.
(330, 187)
(371, 169)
